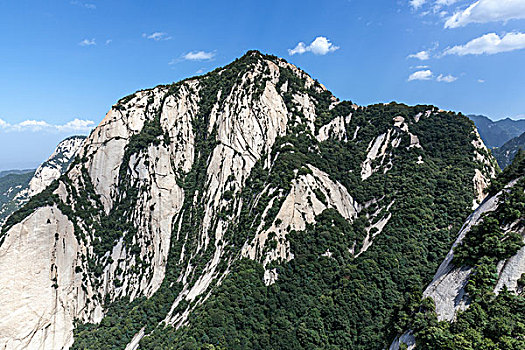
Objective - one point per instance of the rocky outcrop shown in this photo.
(56, 165)
(407, 339)
(46, 173)
(488, 169)
(310, 195)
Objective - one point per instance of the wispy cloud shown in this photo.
(446, 78)
(416, 4)
(421, 75)
(484, 11)
(86, 5)
(427, 74)
(199, 56)
(320, 46)
(87, 42)
(75, 125)
(421, 55)
(157, 36)
(194, 56)
(109, 41)
(443, 3)
(489, 44)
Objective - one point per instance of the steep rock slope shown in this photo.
(54, 166)
(16, 189)
(476, 296)
(252, 182)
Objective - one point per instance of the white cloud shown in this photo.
(421, 75)
(428, 75)
(421, 55)
(109, 41)
(481, 81)
(416, 4)
(489, 44)
(320, 46)
(421, 67)
(75, 125)
(483, 11)
(33, 124)
(440, 3)
(199, 56)
(84, 5)
(446, 78)
(157, 36)
(87, 42)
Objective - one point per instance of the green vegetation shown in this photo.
(11, 183)
(320, 300)
(339, 301)
(491, 321)
(131, 317)
(511, 172)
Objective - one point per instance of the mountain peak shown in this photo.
(253, 172)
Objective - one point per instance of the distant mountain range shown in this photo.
(505, 137)
(496, 133)
(15, 172)
(506, 153)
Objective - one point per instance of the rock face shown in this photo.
(45, 291)
(179, 182)
(448, 287)
(407, 339)
(48, 171)
(55, 166)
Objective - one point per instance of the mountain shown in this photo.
(506, 153)
(476, 298)
(15, 171)
(496, 133)
(245, 208)
(11, 183)
(18, 186)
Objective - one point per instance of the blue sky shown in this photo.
(64, 63)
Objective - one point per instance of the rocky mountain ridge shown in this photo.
(31, 183)
(182, 187)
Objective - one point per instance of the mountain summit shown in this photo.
(17, 188)
(245, 208)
